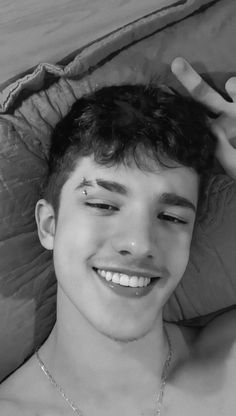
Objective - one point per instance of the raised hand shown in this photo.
(224, 124)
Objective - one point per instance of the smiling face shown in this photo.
(122, 246)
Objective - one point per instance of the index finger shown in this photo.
(197, 87)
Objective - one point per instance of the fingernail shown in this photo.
(179, 64)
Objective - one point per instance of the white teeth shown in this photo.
(115, 278)
(103, 273)
(107, 275)
(147, 281)
(141, 281)
(133, 281)
(123, 279)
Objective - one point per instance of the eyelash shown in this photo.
(101, 206)
(109, 207)
(172, 219)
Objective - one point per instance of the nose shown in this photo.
(136, 238)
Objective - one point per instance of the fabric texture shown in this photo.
(32, 106)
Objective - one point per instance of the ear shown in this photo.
(46, 222)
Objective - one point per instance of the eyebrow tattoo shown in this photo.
(177, 200)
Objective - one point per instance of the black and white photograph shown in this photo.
(118, 207)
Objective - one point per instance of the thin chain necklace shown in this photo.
(78, 411)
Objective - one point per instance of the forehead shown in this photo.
(158, 179)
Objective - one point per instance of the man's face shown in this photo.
(122, 246)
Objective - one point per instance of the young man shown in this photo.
(127, 168)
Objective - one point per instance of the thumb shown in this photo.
(230, 87)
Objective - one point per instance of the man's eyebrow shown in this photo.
(111, 186)
(176, 200)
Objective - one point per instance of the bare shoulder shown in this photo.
(12, 408)
(207, 377)
(17, 391)
(218, 339)
(17, 383)
(221, 329)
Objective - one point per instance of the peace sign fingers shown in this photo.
(224, 125)
(197, 87)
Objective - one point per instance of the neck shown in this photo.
(76, 351)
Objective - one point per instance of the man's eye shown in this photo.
(171, 218)
(105, 207)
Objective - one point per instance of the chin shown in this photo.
(125, 337)
(126, 334)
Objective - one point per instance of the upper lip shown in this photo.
(130, 272)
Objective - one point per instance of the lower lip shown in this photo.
(127, 291)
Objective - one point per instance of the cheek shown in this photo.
(177, 250)
(77, 238)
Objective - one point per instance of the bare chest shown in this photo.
(206, 389)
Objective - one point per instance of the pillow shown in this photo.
(34, 104)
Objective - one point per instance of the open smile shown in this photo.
(126, 285)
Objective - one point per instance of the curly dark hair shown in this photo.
(120, 124)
